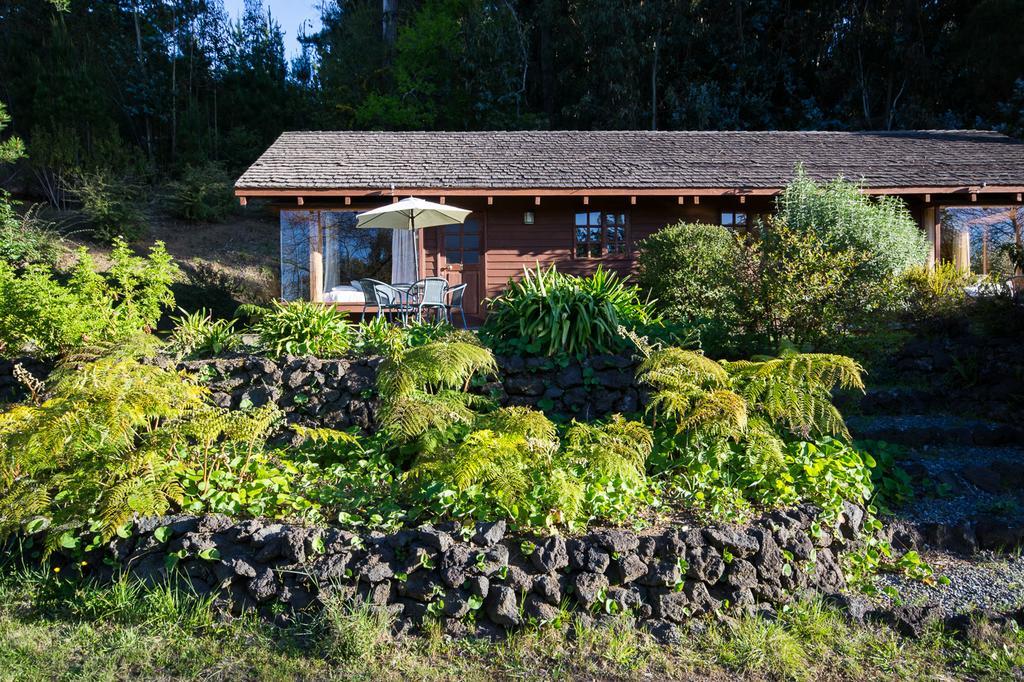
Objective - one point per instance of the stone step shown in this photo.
(892, 400)
(933, 429)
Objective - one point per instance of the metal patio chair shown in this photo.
(432, 294)
(385, 297)
(455, 295)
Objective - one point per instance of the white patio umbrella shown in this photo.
(412, 214)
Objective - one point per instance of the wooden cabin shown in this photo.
(582, 199)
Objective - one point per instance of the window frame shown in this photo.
(734, 225)
(626, 226)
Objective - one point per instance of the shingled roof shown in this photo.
(349, 160)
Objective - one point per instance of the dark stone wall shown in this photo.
(341, 393)
(589, 389)
(468, 575)
(327, 393)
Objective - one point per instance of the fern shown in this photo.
(617, 449)
(755, 403)
(422, 388)
(108, 443)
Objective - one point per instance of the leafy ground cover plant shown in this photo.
(733, 434)
(303, 328)
(550, 313)
(41, 315)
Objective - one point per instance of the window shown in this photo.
(974, 238)
(734, 220)
(348, 252)
(352, 253)
(295, 230)
(600, 235)
(462, 243)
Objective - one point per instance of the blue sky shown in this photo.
(289, 13)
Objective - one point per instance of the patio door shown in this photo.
(462, 247)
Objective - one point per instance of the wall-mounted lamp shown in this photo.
(527, 217)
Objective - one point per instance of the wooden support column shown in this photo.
(316, 260)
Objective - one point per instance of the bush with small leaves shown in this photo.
(40, 315)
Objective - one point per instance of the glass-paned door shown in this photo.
(462, 249)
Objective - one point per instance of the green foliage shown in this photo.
(110, 204)
(116, 438)
(12, 148)
(378, 336)
(355, 630)
(38, 314)
(823, 267)
(692, 271)
(937, 293)
(94, 450)
(25, 240)
(511, 463)
(732, 434)
(845, 220)
(303, 328)
(198, 334)
(422, 388)
(551, 313)
(202, 194)
(800, 288)
(755, 402)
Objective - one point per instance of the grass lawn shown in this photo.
(52, 628)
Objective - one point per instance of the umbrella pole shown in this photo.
(415, 248)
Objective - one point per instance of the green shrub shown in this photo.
(845, 219)
(824, 267)
(40, 315)
(552, 313)
(198, 334)
(797, 288)
(110, 204)
(25, 240)
(691, 269)
(935, 293)
(203, 194)
(304, 328)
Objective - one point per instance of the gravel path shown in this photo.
(938, 469)
(984, 581)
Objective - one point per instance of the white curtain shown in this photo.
(329, 224)
(403, 256)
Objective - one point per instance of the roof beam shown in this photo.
(609, 191)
